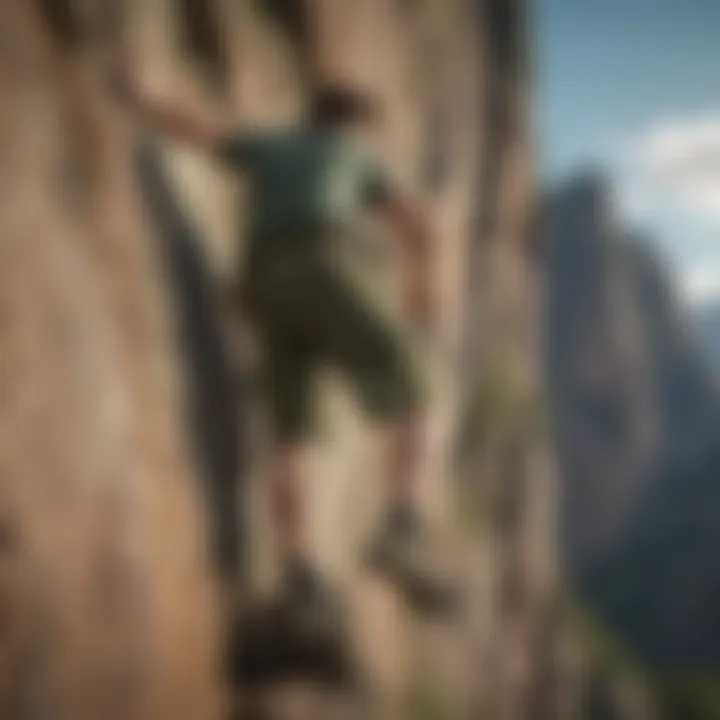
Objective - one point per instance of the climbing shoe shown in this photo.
(300, 634)
(405, 554)
(311, 608)
(315, 625)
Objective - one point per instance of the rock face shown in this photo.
(216, 407)
(707, 317)
(637, 417)
(92, 242)
(104, 566)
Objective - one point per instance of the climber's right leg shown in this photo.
(311, 607)
(289, 376)
(286, 501)
(302, 633)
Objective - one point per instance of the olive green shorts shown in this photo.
(309, 314)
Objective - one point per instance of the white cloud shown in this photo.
(667, 178)
(673, 166)
(701, 284)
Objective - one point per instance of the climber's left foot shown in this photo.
(404, 553)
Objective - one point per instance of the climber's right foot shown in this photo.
(301, 634)
(311, 609)
(314, 624)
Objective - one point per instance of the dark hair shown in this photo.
(63, 22)
(343, 105)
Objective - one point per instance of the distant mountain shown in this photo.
(637, 420)
(707, 318)
(599, 374)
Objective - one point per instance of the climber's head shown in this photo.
(343, 107)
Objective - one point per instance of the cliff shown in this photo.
(137, 258)
(637, 416)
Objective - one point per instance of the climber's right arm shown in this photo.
(413, 231)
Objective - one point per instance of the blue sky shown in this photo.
(634, 85)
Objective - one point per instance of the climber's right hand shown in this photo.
(121, 83)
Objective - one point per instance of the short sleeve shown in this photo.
(239, 149)
(377, 189)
